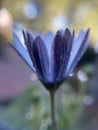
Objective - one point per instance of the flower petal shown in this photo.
(48, 40)
(41, 59)
(80, 45)
(28, 41)
(59, 57)
(68, 39)
(28, 38)
(59, 33)
(21, 50)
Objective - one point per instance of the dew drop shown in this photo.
(71, 74)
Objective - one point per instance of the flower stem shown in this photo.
(52, 101)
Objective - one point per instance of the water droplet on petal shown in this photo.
(71, 74)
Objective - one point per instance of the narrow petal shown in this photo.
(28, 41)
(41, 59)
(68, 39)
(59, 33)
(28, 37)
(17, 41)
(21, 50)
(48, 39)
(58, 58)
(80, 45)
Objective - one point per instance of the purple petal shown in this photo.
(68, 39)
(41, 59)
(59, 58)
(28, 41)
(48, 39)
(80, 45)
(21, 50)
(59, 33)
(28, 37)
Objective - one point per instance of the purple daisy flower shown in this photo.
(51, 57)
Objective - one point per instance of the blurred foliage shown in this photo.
(31, 110)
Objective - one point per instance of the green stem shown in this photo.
(52, 101)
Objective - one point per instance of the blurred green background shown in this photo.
(24, 103)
